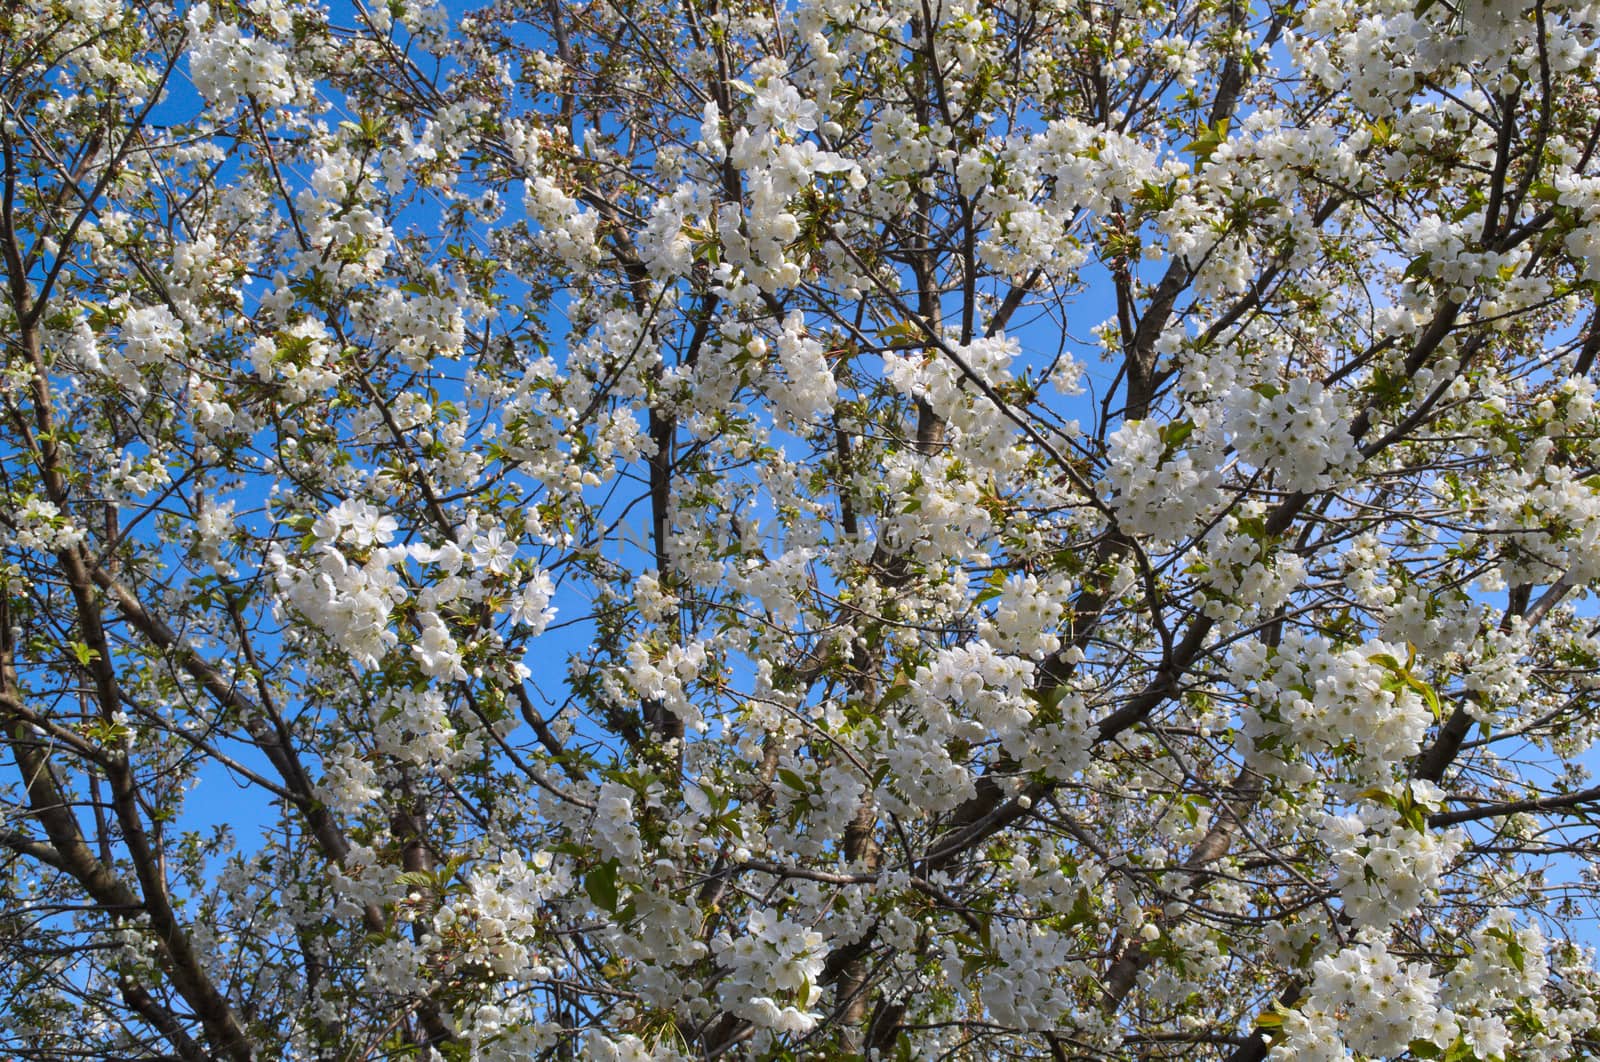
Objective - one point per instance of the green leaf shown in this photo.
(1175, 434)
(897, 690)
(902, 332)
(1254, 527)
(1514, 949)
(1050, 697)
(1377, 795)
(1432, 698)
(1156, 196)
(1203, 146)
(1403, 678)
(601, 885)
(1424, 1049)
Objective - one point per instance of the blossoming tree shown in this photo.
(835, 529)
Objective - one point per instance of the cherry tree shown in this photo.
(721, 529)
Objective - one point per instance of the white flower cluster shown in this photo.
(757, 243)
(195, 269)
(151, 337)
(300, 358)
(778, 106)
(140, 475)
(1548, 516)
(1371, 58)
(416, 327)
(496, 920)
(616, 834)
(1061, 747)
(349, 783)
(1448, 249)
(807, 390)
(1159, 492)
(1438, 624)
(922, 777)
(781, 583)
(976, 433)
(1384, 867)
(1312, 695)
(666, 679)
(1026, 990)
(618, 437)
(823, 810)
(601, 1048)
(663, 939)
(775, 962)
(984, 690)
(413, 726)
(1244, 574)
(1364, 999)
(40, 525)
(653, 602)
(436, 649)
(1500, 993)
(492, 551)
(213, 529)
(941, 516)
(1498, 673)
(1581, 195)
(1053, 177)
(531, 606)
(214, 414)
(228, 67)
(1027, 615)
(352, 585)
(964, 694)
(510, 1031)
(339, 211)
(350, 602)
(1298, 431)
(663, 244)
(564, 226)
(94, 14)
(137, 946)
(1506, 965)
(355, 522)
